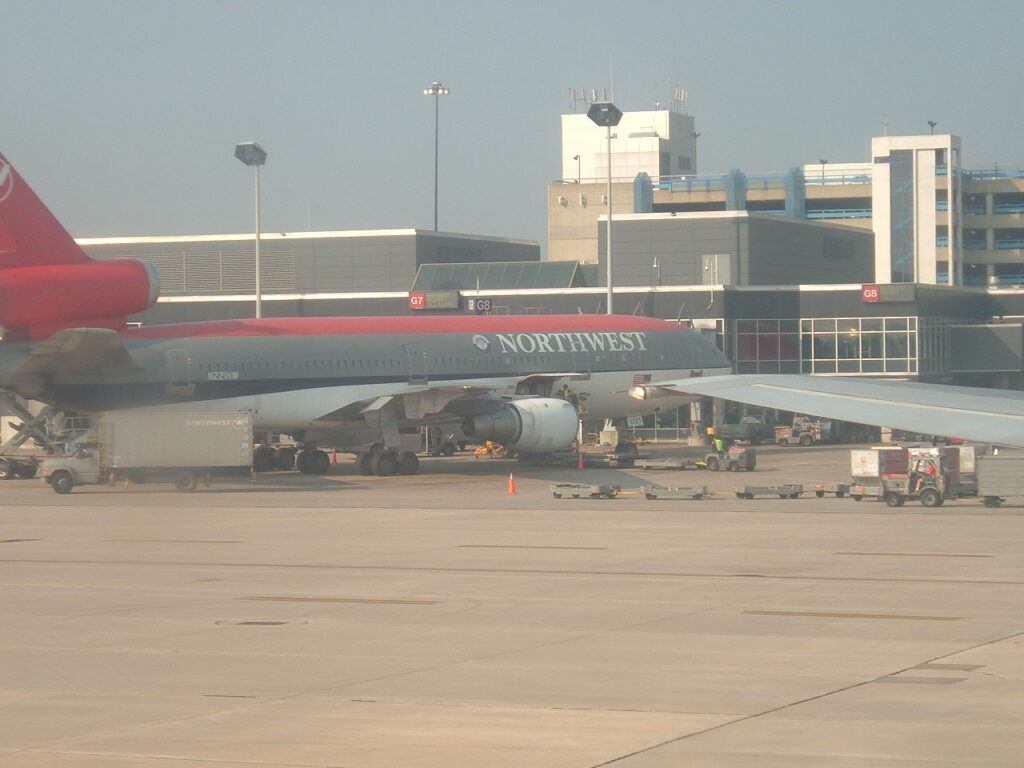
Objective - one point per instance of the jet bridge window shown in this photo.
(767, 346)
(859, 345)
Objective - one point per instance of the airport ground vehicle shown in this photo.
(785, 435)
(807, 431)
(136, 446)
(896, 474)
(733, 460)
(1000, 476)
(752, 429)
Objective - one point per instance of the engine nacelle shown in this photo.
(535, 425)
(55, 294)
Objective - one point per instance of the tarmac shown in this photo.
(438, 620)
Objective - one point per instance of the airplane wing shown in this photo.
(972, 413)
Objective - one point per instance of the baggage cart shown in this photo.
(837, 489)
(584, 490)
(783, 491)
(672, 494)
(678, 464)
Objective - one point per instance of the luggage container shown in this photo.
(998, 477)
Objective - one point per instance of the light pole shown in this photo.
(931, 125)
(436, 90)
(607, 114)
(253, 154)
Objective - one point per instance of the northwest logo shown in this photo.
(481, 342)
(6, 180)
(602, 341)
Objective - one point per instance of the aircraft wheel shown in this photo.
(62, 481)
(303, 461)
(930, 497)
(263, 459)
(185, 481)
(384, 463)
(365, 463)
(319, 462)
(408, 463)
(284, 458)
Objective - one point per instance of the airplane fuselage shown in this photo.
(291, 372)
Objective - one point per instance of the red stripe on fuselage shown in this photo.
(340, 326)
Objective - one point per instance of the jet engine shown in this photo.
(63, 294)
(539, 425)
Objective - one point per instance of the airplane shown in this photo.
(971, 413)
(348, 382)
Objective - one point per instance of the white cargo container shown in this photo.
(141, 445)
(1000, 476)
(879, 462)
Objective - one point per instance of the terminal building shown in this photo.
(933, 221)
(903, 266)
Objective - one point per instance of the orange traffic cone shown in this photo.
(511, 483)
(579, 462)
(334, 456)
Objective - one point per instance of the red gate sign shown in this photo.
(869, 293)
(417, 300)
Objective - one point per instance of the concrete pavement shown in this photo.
(436, 620)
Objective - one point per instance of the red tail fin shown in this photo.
(29, 234)
(47, 281)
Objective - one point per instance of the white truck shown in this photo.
(136, 446)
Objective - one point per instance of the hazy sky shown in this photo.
(124, 115)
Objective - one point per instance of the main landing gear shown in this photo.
(312, 461)
(266, 458)
(385, 462)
